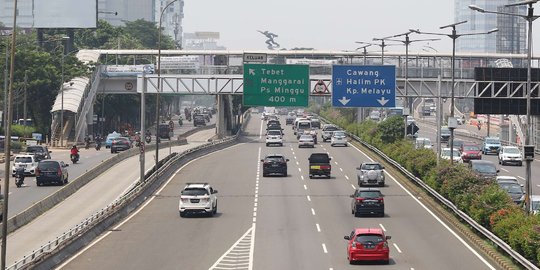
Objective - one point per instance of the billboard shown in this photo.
(65, 14)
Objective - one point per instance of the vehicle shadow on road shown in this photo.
(374, 263)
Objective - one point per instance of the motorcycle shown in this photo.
(98, 146)
(148, 138)
(86, 145)
(19, 177)
(180, 122)
(74, 158)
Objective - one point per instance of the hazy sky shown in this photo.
(324, 25)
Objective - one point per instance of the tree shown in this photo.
(391, 129)
(96, 38)
(147, 33)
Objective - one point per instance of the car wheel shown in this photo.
(386, 262)
(310, 176)
(285, 174)
(38, 183)
(357, 214)
(182, 214)
(381, 184)
(381, 214)
(215, 210)
(520, 164)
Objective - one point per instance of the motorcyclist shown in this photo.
(86, 141)
(19, 176)
(98, 141)
(74, 151)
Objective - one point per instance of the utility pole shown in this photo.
(24, 100)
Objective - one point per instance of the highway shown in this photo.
(29, 194)
(94, 196)
(430, 131)
(288, 222)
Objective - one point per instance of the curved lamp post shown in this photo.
(159, 80)
(453, 35)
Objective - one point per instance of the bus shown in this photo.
(397, 111)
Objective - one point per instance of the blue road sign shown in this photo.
(364, 86)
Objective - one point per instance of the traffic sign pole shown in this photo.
(276, 85)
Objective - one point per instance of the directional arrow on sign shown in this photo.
(344, 101)
(251, 72)
(382, 101)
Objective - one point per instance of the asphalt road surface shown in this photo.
(263, 223)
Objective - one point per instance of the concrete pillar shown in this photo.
(220, 120)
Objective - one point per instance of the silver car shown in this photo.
(306, 141)
(370, 174)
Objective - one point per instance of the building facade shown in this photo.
(511, 37)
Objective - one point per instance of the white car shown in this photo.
(506, 178)
(510, 154)
(198, 198)
(421, 143)
(306, 141)
(339, 138)
(274, 137)
(535, 203)
(28, 162)
(456, 155)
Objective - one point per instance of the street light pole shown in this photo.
(7, 139)
(159, 81)
(62, 94)
(530, 18)
(454, 35)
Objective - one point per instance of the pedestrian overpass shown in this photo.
(219, 73)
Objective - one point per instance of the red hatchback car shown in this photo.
(470, 151)
(368, 244)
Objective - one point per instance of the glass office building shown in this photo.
(511, 37)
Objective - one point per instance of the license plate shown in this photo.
(195, 200)
(315, 167)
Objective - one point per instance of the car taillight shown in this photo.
(205, 199)
(38, 171)
(59, 172)
(184, 200)
(325, 167)
(384, 245)
(353, 245)
(359, 199)
(381, 200)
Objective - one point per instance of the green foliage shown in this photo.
(22, 131)
(506, 220)
(392, 129)
(490, 200)
(148, 34)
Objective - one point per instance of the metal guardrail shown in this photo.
(96, 218)
(470, 221)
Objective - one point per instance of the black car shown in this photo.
(199, 120)
(51, 171)
(40, 152)
(367, 201)
(274, 164)
(120, 144)
(273, 122)
(484, 169)
(319, 165)
(445, 134)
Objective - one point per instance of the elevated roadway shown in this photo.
(288, 222)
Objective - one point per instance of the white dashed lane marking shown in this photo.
(318, 227)
(503, 169)
(382, 227)
(341, 169)
(521, 178)
(309, 198)
(346, 177)
(397, 248)
(353, 186)
(312, 211)
(305, 187)
(301, 176)
(324, 248)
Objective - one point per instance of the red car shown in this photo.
(368, 244)
(470, 152)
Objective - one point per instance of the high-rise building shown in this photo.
(172, 19)
(511, 37)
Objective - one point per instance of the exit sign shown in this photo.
(276, 85)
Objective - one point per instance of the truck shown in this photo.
(319, 165)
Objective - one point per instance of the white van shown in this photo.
(301, 126)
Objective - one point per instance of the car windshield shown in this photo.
(274, 132)
(319, 158)
(23, 160)
(306, 137)
(274, 159)
(511, 187)
(112, 136)
(198, 117)
(304, 125)
(485, 168)
(371, 167)
(492, 141)
(511, 150)
(34, 149)
(121, 139)
(339, 134)
(331, 128)
(471, 148)
(194, 191)
(446, 152)
(369, 239)
(48, 165)
(445, 131)
(369, 194)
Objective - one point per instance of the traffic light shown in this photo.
(412, 129)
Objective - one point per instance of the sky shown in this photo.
(323, 25)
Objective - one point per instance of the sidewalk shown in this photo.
(94, 196)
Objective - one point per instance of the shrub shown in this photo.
(22, 131)
(505, 220)
(491, 200)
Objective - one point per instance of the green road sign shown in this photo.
(276, 85)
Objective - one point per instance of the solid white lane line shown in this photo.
(318, 227)
(503, 169)
(370, 159)
(346, 177)
(439, 220)
(305, 187)
(382, 227)
(399, 250)
(308, 198)
(312, 211)
(324, 248)
(336, 162)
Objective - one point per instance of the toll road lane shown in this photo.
(92, 197)
(157, 237)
